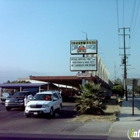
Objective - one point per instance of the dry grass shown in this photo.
(110, 113)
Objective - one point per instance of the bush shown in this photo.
(90, 99)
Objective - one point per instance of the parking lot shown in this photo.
(14, 121)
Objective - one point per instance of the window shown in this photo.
(55, 95)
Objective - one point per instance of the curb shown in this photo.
(135, 105)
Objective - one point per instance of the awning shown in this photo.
(18, 85)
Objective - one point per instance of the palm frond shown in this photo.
(88, 99)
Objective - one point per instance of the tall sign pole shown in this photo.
(83, 64)
(133, 82)
(83, 78)
(133, 97)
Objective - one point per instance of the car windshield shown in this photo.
(6, 94)
(42, 97)
(19, 94)
(32, 90)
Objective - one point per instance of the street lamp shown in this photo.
(86, 35)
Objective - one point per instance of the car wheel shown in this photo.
(60, 109)
(23, 108)
(27, 116)
(51, 112)
(8, 108)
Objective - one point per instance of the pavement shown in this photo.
(126, 121)
(121, 128)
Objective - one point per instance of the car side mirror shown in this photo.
(30, 98)
(8, 96)
(55, 99)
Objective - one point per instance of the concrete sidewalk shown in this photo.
(126, 112)
(120, 129)
(126, 122)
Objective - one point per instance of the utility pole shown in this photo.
(115, 71)
(124, 59)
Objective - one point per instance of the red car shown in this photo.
(81, 49)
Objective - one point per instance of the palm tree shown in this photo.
(89, 101)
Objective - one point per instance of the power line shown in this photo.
(132, 16)
(123, 12)
(136, 18)
(117, 13)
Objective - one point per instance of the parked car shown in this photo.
(45, 102)
(4, 96)
(33, 90)
(17, 100)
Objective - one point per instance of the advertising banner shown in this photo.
(83, 47)
(83, 64)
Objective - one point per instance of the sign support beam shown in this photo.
(83, 78)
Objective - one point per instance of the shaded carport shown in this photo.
(73, 81)
(21, 86)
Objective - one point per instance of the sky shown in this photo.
(35, 35)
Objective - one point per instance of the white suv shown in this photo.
(45, 102)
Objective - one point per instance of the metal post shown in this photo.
(20, 88)
(39, 89)
(133, 97)
(83, 78)
(48, 86)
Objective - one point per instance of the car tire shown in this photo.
(27, 116)
(8, 108)
(60, 109)
(23, 108)
(51, 112)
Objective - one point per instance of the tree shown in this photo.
(89, 100)
(21, 81)
(129, 91)
(118, 87)
(136, 89)
(8, 81)
(118, 81)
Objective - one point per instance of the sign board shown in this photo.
(83, 75)
(132, 81)
(83, 63)
(83, 47)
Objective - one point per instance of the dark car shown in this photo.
(17, 100)
(4, 96)
(32, 90)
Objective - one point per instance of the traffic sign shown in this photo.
(83, 75)
(132, 81)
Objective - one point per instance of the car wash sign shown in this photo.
(83, 47)
(83, 64)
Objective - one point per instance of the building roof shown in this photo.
(18, 85)
(73, 81)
